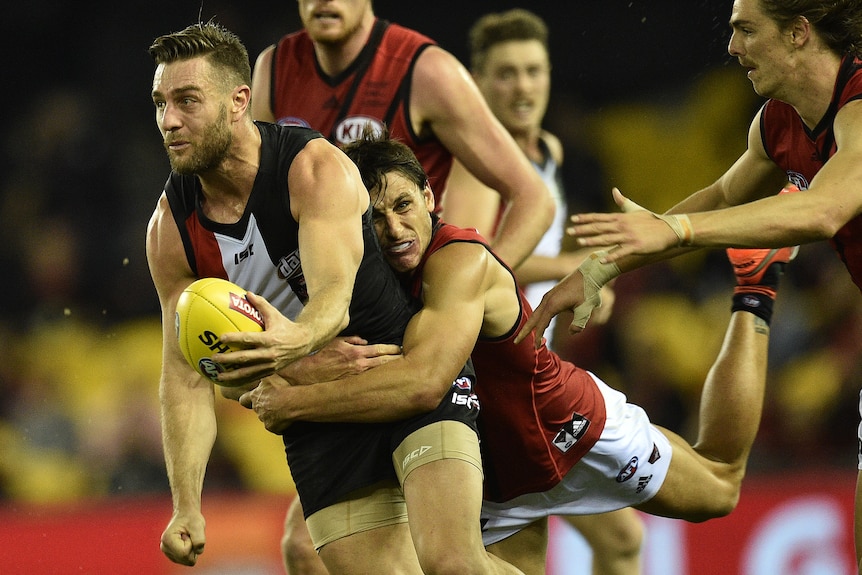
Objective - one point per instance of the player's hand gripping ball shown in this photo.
(208, 308)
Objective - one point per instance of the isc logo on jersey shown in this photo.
(352, 128)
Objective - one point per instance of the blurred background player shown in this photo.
(510, 62)
(348, 69)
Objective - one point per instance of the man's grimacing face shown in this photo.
(402, 221)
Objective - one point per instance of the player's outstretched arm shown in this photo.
(633, 231)
(186, 399)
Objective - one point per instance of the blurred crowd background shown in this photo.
(645, 98)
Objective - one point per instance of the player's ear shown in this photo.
(430, 202)
(800, 30)
(241, 100)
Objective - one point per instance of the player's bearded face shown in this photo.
(208, 150)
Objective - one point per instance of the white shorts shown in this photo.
(626, 467)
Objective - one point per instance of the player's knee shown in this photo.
(720, 504)
(451, 563)
(297, 549)
(628, 536)
(299, 555)
(618, 534)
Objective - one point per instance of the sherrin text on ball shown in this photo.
(206, 309)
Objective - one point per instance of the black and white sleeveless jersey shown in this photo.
(260, 252)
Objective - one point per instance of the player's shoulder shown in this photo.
(455, 239)
(437, 62)
(441, 85)
(457, 257)
(161, 211)
(402, 32)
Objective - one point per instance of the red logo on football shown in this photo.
(240, 304)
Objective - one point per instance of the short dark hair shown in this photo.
(498, 27)
(222, 47)
(376, 154)
(838, 22)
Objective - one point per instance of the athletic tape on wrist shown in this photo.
(596, 275)
(681, 226)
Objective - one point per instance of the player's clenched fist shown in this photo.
(184, 538)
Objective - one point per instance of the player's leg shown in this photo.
(857, 515)
(440, 466)
(370, 518)
(297, 550)
(392, 553)
(704, 480)
(526, 549)
(615, 538)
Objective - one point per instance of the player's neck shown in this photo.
(815, 89)
(528, 142)
(226, 189)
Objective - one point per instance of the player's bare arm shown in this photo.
(833, 198)
(328, 200)
(455, 284)
(468, 203)
(188, 419)
(635, 234)
(446, 101)
(261, 83)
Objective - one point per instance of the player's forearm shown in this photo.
(773, 222)
(188, 435)
(325, 316)
(634, 262)
(394, 391)
(521, 228)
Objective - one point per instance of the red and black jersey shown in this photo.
(801, 152)
(540, 415)
(374, 90)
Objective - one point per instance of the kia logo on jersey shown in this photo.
(353, 127)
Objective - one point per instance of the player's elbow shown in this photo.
(428, 390)
(826, 223)
(345, 321)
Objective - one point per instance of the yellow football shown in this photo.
(208, 308)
